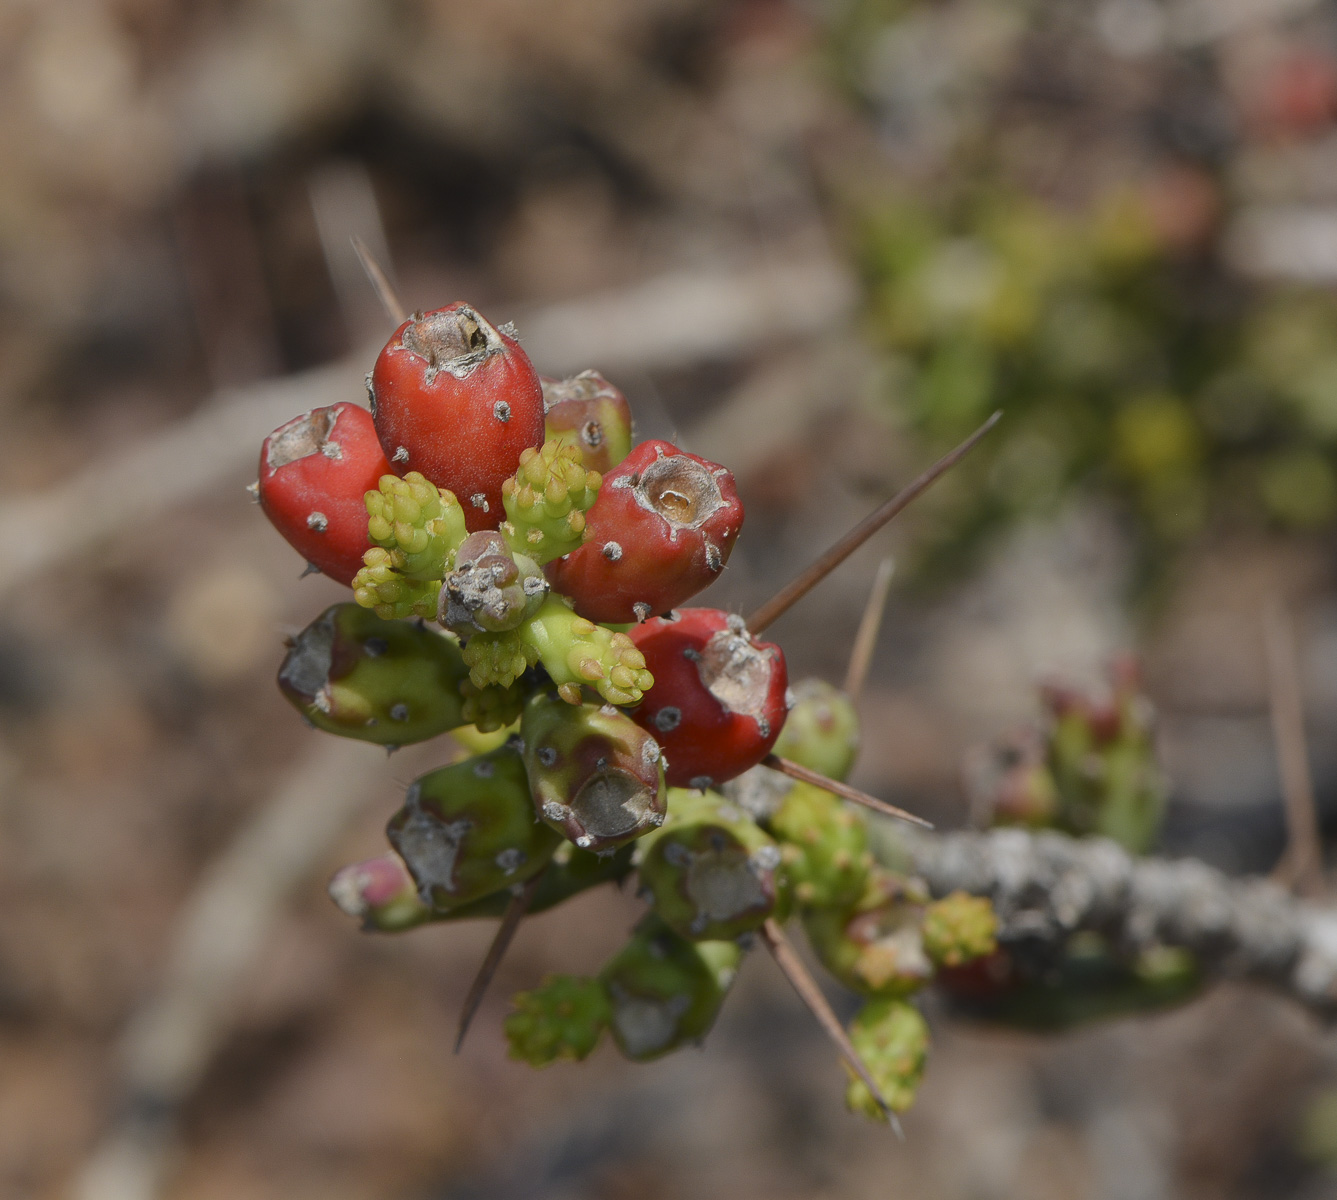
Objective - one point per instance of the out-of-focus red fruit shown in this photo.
(588, 412)
(457, 400)
(720, 696)
(661, 530)
(314, 472)
(1297, 96)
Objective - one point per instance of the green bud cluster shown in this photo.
(578, 653)
(546, 501)
(419, 524)
(892, 1039)
(959, 928)
(378, 585)
(563, 1017)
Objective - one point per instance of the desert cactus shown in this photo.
(958, 929)
(589, 413)
(822, 729)
(825, 847)
(381, 894)
(576, 652)
(380, 587)
(489, 589)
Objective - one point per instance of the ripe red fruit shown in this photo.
(314, 472)
(720, 696)
(661, 530)
(458, 400)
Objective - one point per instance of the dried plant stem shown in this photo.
(793, 592)
(865, 641)
(811, 995)
(394, 307)
(1302, 863)
(804, 775)
(510, 922)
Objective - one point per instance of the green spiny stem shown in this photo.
(419, 524)
(546, 501)
(380, 587)
(576, 652)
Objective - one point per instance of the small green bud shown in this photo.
(821, 731)
(825, 847)
(390, 682)
(546, 501)
(497, 659)
(958, 928)
(712, 873)
(418, 524)
(891, 1038)
(379, 586)
(595, 775)
(665, 990)
(578, 653)
(468, 830)
(563, 1017)
(875, 947)
(489, 590)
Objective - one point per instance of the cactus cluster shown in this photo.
(495, 568)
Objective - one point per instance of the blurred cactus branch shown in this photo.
(793, 592)
(795, 771)
(787, 959)
(870, 624)
(516, 908)
(1301, 865)
(1046, 886)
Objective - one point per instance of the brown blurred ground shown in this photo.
(165, 169)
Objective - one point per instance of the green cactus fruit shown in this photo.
(468, 830)
(665, 990)
(821, 731)
(892, 1039)
(712, 872)
(576, 652)
(825, 847)
(489, 589)
(417, 523)
(876, 947)
(492, 709)
(381, 894)
(958, 928)
(379, 586)
(389, 682)
(563, 1017)
(546, 501)
(595, 775)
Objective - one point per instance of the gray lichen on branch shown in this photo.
(1046, 886)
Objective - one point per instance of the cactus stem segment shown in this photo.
(803, 775)
(795, 590)
(811, 995)
(515, 912)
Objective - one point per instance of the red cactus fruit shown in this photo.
(720, 696)
(588, 412)
(458, 400)
(661, 530)
(314, 472)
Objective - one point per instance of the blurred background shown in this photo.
(815, 240)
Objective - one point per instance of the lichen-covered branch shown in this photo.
(1046, 886)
